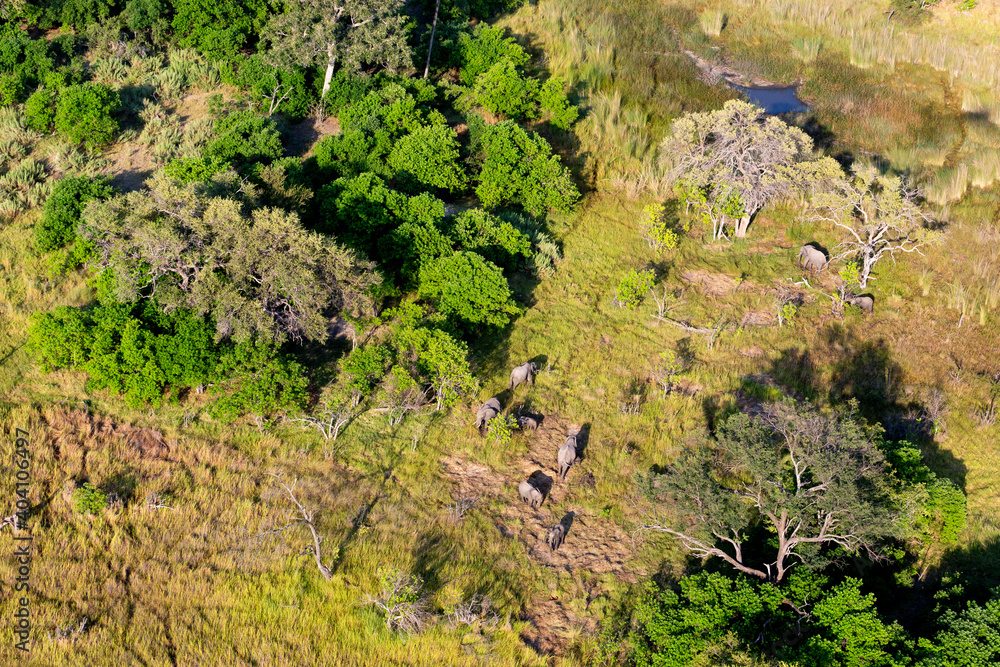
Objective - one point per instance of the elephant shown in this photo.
(487, 411)
(567, 456)
(524, 372)
(526, 422)
(814, 259)
(530, 494)
(556, 536)
(862, 301)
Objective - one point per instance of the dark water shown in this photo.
(773, 100)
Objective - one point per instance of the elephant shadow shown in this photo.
(567, 521)
(542, 482)
(819, 246)
(582, 440)
(526, 410)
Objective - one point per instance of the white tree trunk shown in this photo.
(741, 226)
(329, 75)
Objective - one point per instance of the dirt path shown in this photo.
(593, 544)
(952, 102)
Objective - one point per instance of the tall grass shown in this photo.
(713, 21)
(807, 49)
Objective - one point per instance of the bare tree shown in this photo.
(730, 163)
(300, 516)
(813, 479)
(880, 214)
(331, 417)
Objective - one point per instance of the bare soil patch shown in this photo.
(129, 165)
(593, 544)
(713, 284)
(302, 137)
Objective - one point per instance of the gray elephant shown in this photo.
(865, 303)
(556, 536)
(530, 494)
(567, 456)
(487, 411)
(524, 372)
(812, 258)
(526, 422)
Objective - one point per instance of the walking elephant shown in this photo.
(523, 373)
(812, 258)
(567, 456)
(530, 494)
(486, 412)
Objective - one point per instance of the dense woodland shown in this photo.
(262, 262)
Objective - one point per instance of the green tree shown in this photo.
(355, 32)
(148, 19)
(520, 168)
(367, 366)
(39, 110)
(505, 93)
(485, 47)
(262, 381)
(732, 162)
(429, 156)
(257, 275)
(552, 100)
(218, 28)
(812, 479)
(84, 113)
(64, 207)
(467, 287)
(244, 138)
(438, 360)
(633, 287)
(967, 638)
(496, 240)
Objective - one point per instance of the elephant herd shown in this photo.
(566, 457)
(814, 259)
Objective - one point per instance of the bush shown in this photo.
(520, 168)
(218, 28)
(467, 287)
(84, 114)
(633, 288)
(503, 91)
(62, 210)
(88, 499)
(498, 241)
(195, 169)
(11, 89)
(261, 79)
(552, 100)
(367, 366)
(345, 89)
(264, 381)
(39, 110)
(429, 156)
(344, 154)
(483, 49)
(657, 228)
(244, 138)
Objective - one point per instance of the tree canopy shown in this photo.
(257, 273)
(732, 162)
(814, 480)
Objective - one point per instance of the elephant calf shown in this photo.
(865, 303)
(486, 412)
(556, 536)
(523, 373)
(567, 456)
(525, 422)
(530, 494)
(812, 258)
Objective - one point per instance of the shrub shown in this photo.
(11, 88)
(633, 288)
(218, 28)
(195, 169)
(344, 154)
(483, 49)
(244, 138)
(264, 381)
(400, 602)
(503, 91)
(84, 114)
(429, 156)
(520, 168)
(39, 110)
(467, 287)
(345, 89)
(88, 499)
(657, 229)
(62, 210)
(262, 79)
(501, 429)
(552, 100)
(367, 366)
(496, 240)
